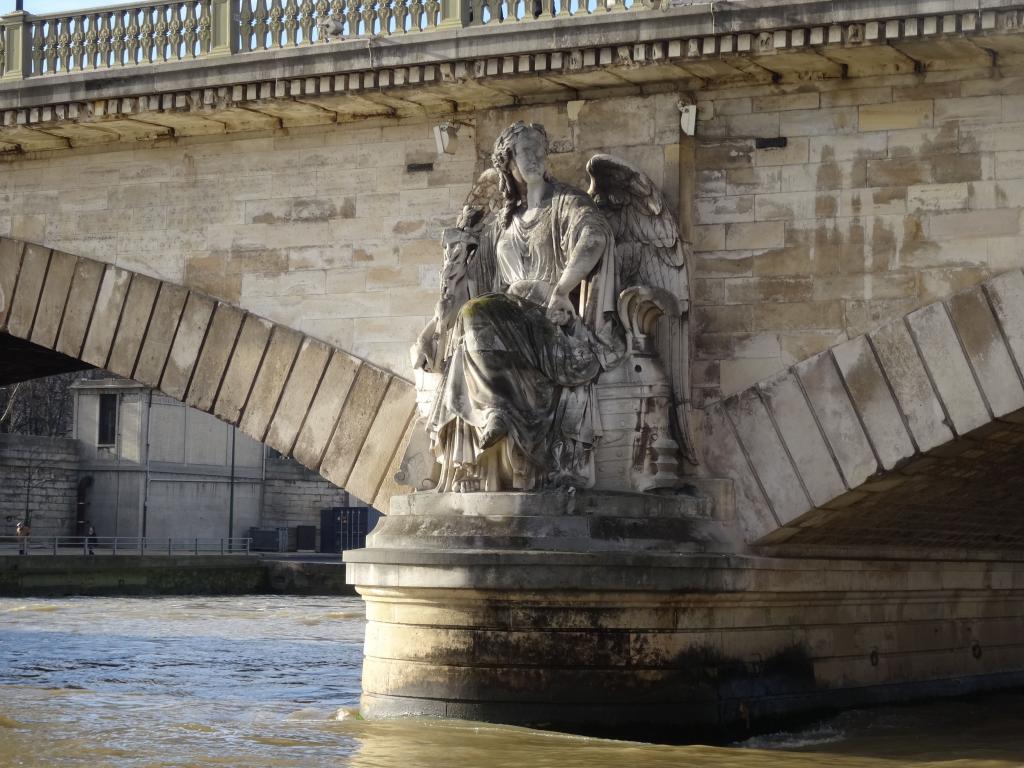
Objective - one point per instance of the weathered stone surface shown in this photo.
(26, 296)
(81, 304)
(454, 639)
(241, 373)
(837, 418)
(873, 401)
(768, 456)
(907, 376)
(166, 314)
(298, 394)
(762, 234)
(1007, 295)
(10, 265)
(131, 330)
(902, 114)
(266, 391)
(723, 457)
(391, 487)
(53, 298)
(213, 359)
(983, 342)
(360, 409)
(948, 368)
(109, 303)
(322, 417)
(381, 444)
(800, 432)
(188, 341)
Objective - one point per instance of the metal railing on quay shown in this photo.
(124, 545)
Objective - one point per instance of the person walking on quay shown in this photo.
(91, 538)
(23, 531)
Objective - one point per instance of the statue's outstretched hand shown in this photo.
(560, 310)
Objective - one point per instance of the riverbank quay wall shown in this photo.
(38, 479)
(41, 575)
(46, 575)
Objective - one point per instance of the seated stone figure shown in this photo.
(546, 291)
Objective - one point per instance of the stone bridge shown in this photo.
(206, 196)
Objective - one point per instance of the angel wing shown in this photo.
(649, 251)
(648, 248)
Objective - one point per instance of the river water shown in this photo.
(274, 681)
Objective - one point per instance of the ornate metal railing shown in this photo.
(174, 30)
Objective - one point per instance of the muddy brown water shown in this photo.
(274, 681)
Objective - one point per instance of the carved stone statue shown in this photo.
(559, 344)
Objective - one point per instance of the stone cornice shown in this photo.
(691, 46)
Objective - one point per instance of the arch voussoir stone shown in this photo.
(875, 415)
(170, 302)
(214, 356)
(99, 337)
(338, 415)
(298, 393)
(1006, 294)
(132, 325)
(80, 306)
(10, 265)
(948, 367)
(52, 299)
(25, 298)
(188, 341)
(242, 370)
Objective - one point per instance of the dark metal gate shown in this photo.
(344, 528)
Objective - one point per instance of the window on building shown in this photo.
(108, 420)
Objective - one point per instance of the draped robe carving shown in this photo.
(517, 403)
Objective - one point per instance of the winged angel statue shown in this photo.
(559, 344)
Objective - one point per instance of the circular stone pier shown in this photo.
(623, 614)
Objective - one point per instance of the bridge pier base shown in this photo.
(489, 607)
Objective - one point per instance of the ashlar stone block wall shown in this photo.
(890, 193)
(293, 495)
(51, 465)
(333, 230)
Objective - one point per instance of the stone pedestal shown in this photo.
(621, 614)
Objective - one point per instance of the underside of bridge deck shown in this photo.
(960, 500)
(21, 360)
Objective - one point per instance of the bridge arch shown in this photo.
(888, 429)
(887, 440)
(330, 411)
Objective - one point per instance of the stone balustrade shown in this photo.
(175, 30)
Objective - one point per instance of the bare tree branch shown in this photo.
(38, 407)
(12, 399)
